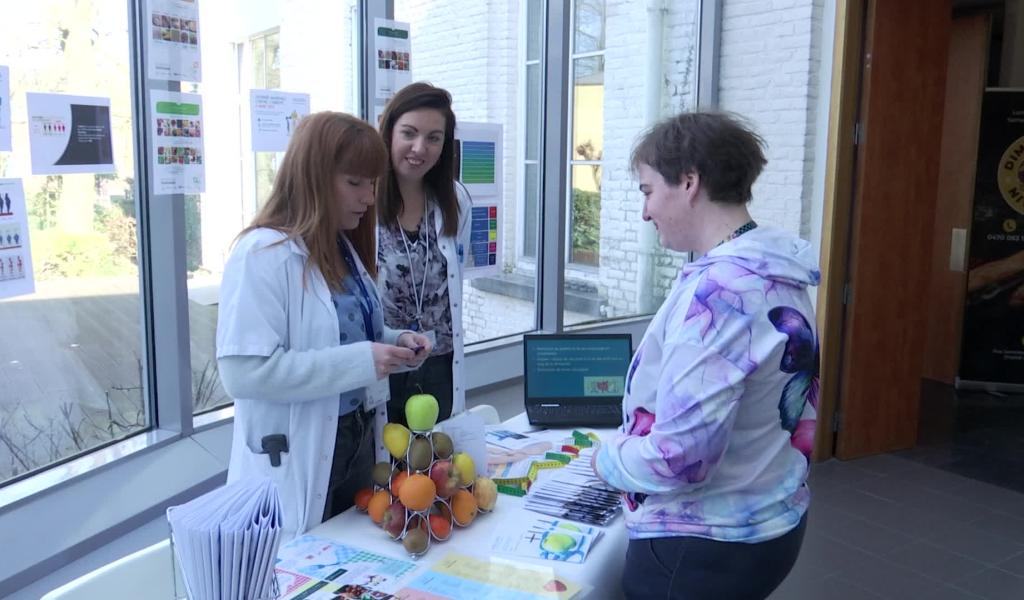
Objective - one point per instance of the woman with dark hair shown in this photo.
(301, 342)
(721, 395)
(423, 220)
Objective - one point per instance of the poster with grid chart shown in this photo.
(311, 567)
(478, 149)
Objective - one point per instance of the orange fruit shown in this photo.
(464, 507)
(378, 503)
(440, 527)
(363, 498)
(397, 481)
(417, 492)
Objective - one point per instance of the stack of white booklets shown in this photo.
(226, 541)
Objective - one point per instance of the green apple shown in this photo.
(421, 412)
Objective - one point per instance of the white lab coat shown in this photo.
(269, 300)
(454, 249)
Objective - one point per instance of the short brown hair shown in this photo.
(441, 178)
(726, 154)
(302, 201)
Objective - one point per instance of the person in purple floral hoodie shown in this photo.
(721, 395)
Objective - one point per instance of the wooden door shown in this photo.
(891, 227)
(965, 86)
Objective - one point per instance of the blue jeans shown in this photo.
(691, 568)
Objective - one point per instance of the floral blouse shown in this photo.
(401, 264)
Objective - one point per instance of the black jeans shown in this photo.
(434, 377)
(353, 461)
(691, 568)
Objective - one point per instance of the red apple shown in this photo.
(394, 519)
(445, 477)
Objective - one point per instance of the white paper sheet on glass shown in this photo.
(5, 109)
(173, 40)
(178, 156)
(16, 275)
(394, 51)
(273, 117)
(69, 134)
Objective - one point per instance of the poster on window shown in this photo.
(5, 109)
(993, 334)
(173, 40)
(15, 252)
(69, 134)
(478, 156)
(179, 164)
(273, 117)
(394, 71)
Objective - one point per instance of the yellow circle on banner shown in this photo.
(1011, 175)
(1010, 225)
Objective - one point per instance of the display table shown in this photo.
(601, 572)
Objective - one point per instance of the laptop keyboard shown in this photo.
(577, 414)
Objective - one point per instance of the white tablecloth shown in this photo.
(601, 572)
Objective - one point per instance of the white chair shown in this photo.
(143, 574)
(487, 412)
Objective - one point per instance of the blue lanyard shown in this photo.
(364, 302)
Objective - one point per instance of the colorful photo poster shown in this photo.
(173, 40)
(391, 41)
(178, 158)
(5, 109)
(274, 116)
(69, 134)
(15, 252)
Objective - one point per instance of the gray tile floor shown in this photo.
(891, 527)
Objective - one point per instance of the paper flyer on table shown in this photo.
(16, 274)
(179, 162)
(5, 109)
(460, 576)
(468, 429)
(69, 134)
(311, 567)
(546, 538)
(173, 40)
(273, 117)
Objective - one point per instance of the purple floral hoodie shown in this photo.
(721, 398)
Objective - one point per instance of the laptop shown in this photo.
(575, 379)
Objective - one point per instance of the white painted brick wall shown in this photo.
(769, 58)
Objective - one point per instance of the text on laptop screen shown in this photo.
(567, 366)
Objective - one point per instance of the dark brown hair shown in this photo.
(303, 202)
(441, 178)
(726, 154)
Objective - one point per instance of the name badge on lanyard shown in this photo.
(363, 299)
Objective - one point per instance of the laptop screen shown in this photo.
(576, 366)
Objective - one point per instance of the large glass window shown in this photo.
(71, 362)
(477, 51)
(629, 67)
(260, 45)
